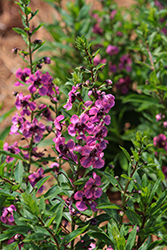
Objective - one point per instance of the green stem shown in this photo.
(12, 184)
(126, 187)
(50, 231)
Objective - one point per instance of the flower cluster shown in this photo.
(7, 215)
(27, 123)
(88, 128)
(91, 192)
(35, 177)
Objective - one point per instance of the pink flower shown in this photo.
(91, 189)
(17, 238)
(22, 75)
(158, 117)
(35, 129)
(113, 13)
(45, 112)
(18, 122)
(72, 97)
(35, 177)
(125, 63)
(82, 201)
(160, 141)
(80, 125)
(123, 85)
(12, 149)
(92, 246)
(92, 156)
(66, 150)
(7, 215)
(112, 50)
(165, 124)
(24, 103)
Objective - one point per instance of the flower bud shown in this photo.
(47, 60)
(37, 41)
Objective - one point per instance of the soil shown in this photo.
(9, 63)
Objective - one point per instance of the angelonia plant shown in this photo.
(76, 211)
(120, 34)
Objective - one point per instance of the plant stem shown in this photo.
(11, 183)
(127, 185)
(50, 231)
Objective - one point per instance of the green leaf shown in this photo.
(151, 38)
(4, 133)
(159, 202)
(74, 234)
(135, 155)
(18, 172)
(121, 243)
(20, 31)
(38, 27)
(111, 179)
(133, 217)
(31, 203)
(39, 184)
(101, 235)
(131, 239)
(3, 152)
(154, 189)
(3, 117)
(52, 192)
(126, 177)
(108, 205)
(126, 153)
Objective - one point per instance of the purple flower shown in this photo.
(158, 117)
(45, 112)
(92, 246)
(57, 123)
(100, 132)
(123, 85)
(112, 67)
(17, 238)
(164, 170)
(47, 60)
(65, 149)
(35, 129)
(165, 124)
(7, 215)
(12, 149)
(91, 189)
(80, 125)
(48, 84)
(112, 14)
(97, 60)
(97, 29)
(72, 97)
(24, 103)
(82, 201)
(119, 33)
(17, 124)
(125, 63)
(92, 156)
(160, 141)
(36, 82)
(34, 152)
(22, 75)
(112, 50)
(35, 177)
(55, 167)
